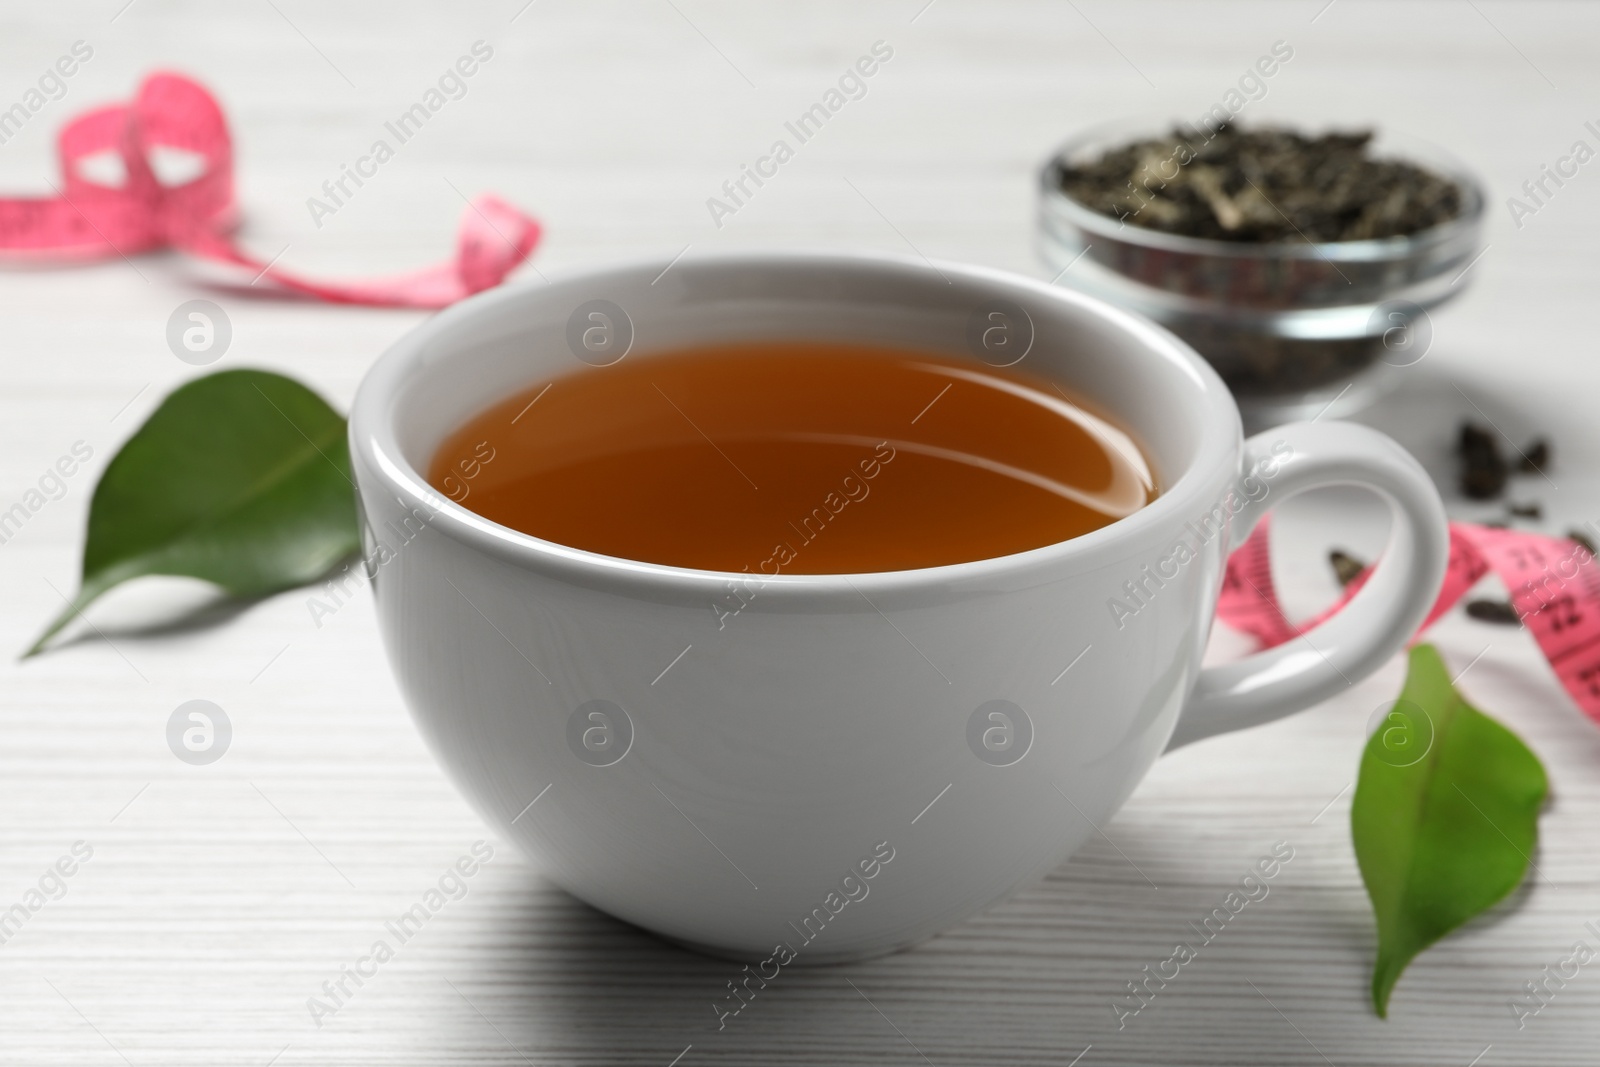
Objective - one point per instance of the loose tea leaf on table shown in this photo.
(240, 478)
(1536, 457)
(1499, 612)
(1483, 468)
(1346, 568)
(1445, 817)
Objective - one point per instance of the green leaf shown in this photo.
(241, 478)
(1445, 817)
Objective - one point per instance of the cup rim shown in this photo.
(374, 442)
(1367, 250)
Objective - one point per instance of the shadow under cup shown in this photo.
(799, 768)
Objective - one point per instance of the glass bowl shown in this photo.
(1295, 329)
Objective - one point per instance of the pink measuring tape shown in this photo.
(90, 220)
(1554, 585)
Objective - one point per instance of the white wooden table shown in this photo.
(219, 898)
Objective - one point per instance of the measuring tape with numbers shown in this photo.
(1554, 585)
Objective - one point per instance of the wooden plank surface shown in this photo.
(218, 899)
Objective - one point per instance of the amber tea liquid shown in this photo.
(795, 458)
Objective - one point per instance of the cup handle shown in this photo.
(1376, 622)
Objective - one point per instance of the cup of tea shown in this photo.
(797, 607)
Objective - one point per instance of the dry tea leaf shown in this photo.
(1536, 457)
(1346, 568)
(1262, 185)
(1499, 612)
(1483, 468)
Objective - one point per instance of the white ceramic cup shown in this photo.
(847, 764)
